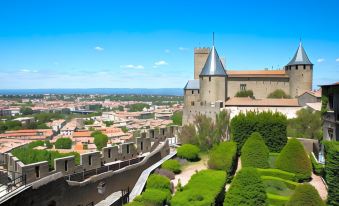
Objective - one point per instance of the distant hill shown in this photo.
(159, 91)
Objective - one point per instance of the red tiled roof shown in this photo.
(82, 134)
(246, 101)
(257, 73)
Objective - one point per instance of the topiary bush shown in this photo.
(63, 143)
(204, 188)
(271, 126)
(305, 194)
(172, 165)
(155, 197)
(255, 153)
(332, 171)
(246, 189)
(318, 168)
(277, 173)
(155, 181)
(223, 157)
(293, 158)
(189, 152)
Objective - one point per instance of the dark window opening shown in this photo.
(109, 153)
(66, 165)
(127, 148)
(142, 145)
(198, 91)
(209, 79)
(304, 66)
(192, 91)
(192, 103)
(330, 101)
(89, 159)
(242, 87)
(163, 131)
(37, 171)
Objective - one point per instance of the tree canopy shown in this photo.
(245, 93)
(177, 118)
(100, 139)
(278, 94)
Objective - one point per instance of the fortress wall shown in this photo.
(55, 190)
(88, 161)
(261, 87)
(200, 57)
(208, 109)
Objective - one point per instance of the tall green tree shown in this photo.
(100, 140)
(177, 118)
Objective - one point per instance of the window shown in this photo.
(37, 171)
(127, 148)
(109, 153)
(142, 145)
(330, 101)
(192, 103)
(304, 66)
(242, 87)
(209, 79)
(66, 165)
(89, 160)
(192, 91)
(198, 91)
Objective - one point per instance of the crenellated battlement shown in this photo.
(116, 157)
(202, 50)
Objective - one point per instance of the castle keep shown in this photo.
(213, 85)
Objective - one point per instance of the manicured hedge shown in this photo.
(318, 168)
(155, 181)
(272, 127)
(277, 200)
(172, 165)
(223, 157)
(290, 184)
(255, 153)
(277, 173)
(63, 143)
(305, 194)
(246, 189)
(189, 152)
(293, 158)
(332, 171)
(204, 188)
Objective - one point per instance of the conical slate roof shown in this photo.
(213, 65)
(300, 57)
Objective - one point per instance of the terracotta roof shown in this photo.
(246, 101)
(82, 134)
(314, 93)
(257, 73)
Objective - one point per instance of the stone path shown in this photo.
(319, 185)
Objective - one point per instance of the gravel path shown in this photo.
(319, 185)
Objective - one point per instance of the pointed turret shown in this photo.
(300, 57)
(213, 65)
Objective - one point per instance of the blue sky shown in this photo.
(149, 44)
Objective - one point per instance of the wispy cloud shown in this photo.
(98, 48)
(183, 48)
(28, 71)
(320, 60)
(159, 63)
(167, 51)
(132, 66)
(337, 60)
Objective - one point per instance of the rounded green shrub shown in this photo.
(293, 158)
(155, 181)
(331, 171)
(63, 143)
(189, 152)
(155, 197)
(172, 165)
(305, 194)
(223, 157)
(246, 189)
(255, 153)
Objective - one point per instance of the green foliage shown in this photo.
(63, 143)
(177, 118)
(137, 107)
(305, 194)
(272, 127)
(277, 200)
(332, 171)
(48, 144)
(26, 111)
(223, 157)
(189, 152)
(318, 168)
(28, 155)
(255, 153)
(10, 125)
(172, 165)
(89, 122)
(124, 129)
(204, 188)
(109, 123)
(246, 189)
(307, 124)
(245, 93)
(293, 158)
(324, 103)
(278, 94)
(100, 139)
(155, 197)
(290, 184)
(277, 173)
(155, 181)
(204, 132)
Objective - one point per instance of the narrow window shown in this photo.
(209, 79)
(192, 103)
(163, 131)
(127, 148)
(66, 165)
(109, 153)
(198, 91)
(242, 87)
(142, 145)
(37, 171)
(192, 91)
(304, 66)
(89, 159)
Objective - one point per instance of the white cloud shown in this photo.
(183, 48)
(337, 60)
(132, 66)
(98, 48)
(320, 60)
(159, 63)
(167, 51)
(25, 70)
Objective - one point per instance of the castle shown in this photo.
(213, 85)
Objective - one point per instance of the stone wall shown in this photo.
(92, 160)
(208, 109)
(200, 57)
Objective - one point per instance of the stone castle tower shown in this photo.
(300, 72)
(213, 79)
